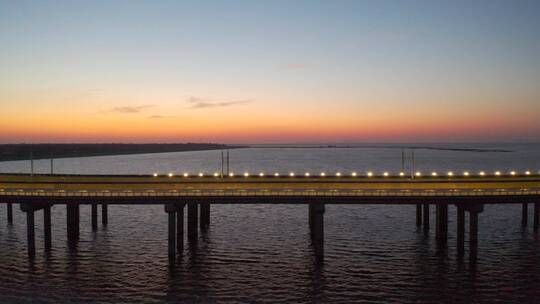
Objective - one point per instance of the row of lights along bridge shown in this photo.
(354, 174)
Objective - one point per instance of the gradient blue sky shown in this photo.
(269, 71)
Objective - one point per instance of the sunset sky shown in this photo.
(269, 71)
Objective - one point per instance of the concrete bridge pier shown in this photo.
(418, 215)
(437, 222)
(524, 214)
(192, 215)
(30, 210)
(9, 213)
(205, 216)
(30, 229)
(310, 220)
(171, 228)
(474, 210)
(426, 217)
(180, 228)
(47, 228)
(94, 217)
(104, 214)
(30, 235)
(175, 229)
(73, 219)
(536, 221)
(460, 230)
(442, 224)
(317, 230)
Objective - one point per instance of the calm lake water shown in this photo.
(262, 253)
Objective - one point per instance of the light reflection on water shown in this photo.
(261, 253)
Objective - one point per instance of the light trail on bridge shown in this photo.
(110, 186)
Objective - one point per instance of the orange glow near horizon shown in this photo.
(256, 129)
(167, 115)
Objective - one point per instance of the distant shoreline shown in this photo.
(379, 147)
(14, 152)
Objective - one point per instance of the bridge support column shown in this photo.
(30, 233)
(205, 216)
(171, 235)
(317, 230)
(437, 221)
(474, 210)
(536, 222)
(460, 230)
(94, 217)
(104, 214)
(30, 210)
(442, 224)
(180, 228)
(524, 214)
(418, 215)
(310, 220)
(473, 236)
(72, 214)
(426, 217)
(10, 213)
(192, 221)
(47, 228)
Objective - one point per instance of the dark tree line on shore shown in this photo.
(41, 151)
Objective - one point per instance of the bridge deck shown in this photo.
(285, 189)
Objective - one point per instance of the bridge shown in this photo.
(467, 192)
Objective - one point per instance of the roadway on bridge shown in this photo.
(17, 185)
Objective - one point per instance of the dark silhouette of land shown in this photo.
(307, 146)
(40, 151)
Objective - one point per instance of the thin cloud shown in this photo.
(130, 109)
(194, 99)
(199, 103)
(160, 116)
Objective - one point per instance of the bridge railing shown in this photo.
(218, 193)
